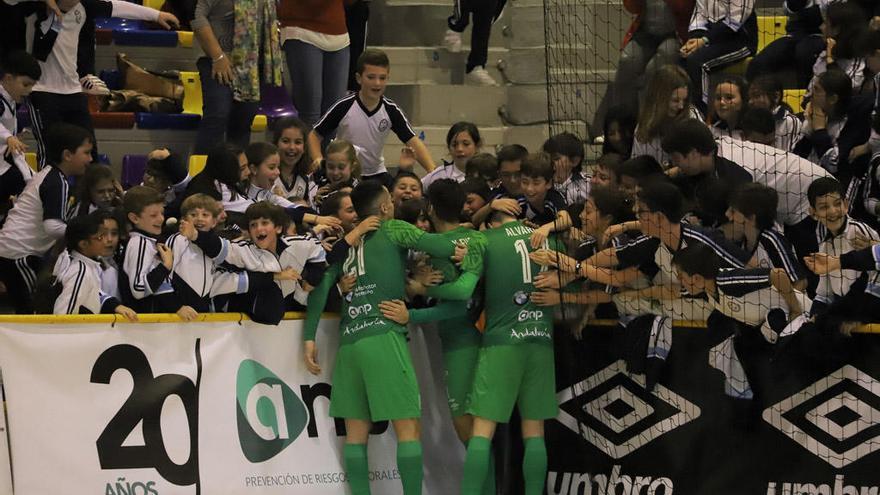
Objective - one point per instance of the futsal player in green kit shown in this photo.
(373, 378)
(460, 340)
(515, 364)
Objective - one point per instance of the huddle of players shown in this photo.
(649, 244)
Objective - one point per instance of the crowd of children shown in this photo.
(754, 219)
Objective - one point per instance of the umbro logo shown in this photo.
(614, 411)
(837, 418)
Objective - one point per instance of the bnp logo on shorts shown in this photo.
(270, 415)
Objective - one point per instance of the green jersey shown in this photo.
(460, 330)
(511, 317)
(379, 262)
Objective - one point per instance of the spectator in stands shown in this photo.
(19, 72)
(316, 45)
(166, 173)
(758, 126)
(503, 197)
(604, 174)
(40, 214)
(835, 232)
(619, 131)
(796, 50)
(752, 220)
(567, 153)
(98, 189)
(484, 14)
(243, 32)
(845, 29)
(634, 171)
(365, 118)
(112, 223)
(78, 271)
(225, 169)
(414, 212)
(406, 186)
(463, 141)
(872, 88)
(357, 14)
(58, 95)
(766, 92)
(477, 194)
(834, 124)
(296, 181)
(721, 32)
(666, 101)
(700, 157)
(653, 40)
(539, 202)
(145, 280)
(484, 167)
(341, 168)
(728, 103)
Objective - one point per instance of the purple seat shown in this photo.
(133, 167)
(275, 103)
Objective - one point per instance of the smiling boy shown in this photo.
(20, 72)
(39, 217)
(365, 118)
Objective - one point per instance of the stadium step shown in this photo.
(445, 104)
(434, 65)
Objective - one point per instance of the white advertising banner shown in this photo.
(196, 408)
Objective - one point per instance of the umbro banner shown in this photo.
(811, 427)
(197, 408)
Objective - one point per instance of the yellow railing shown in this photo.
(873, 328)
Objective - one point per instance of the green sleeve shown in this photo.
(317, 301)
(473, 260)
(409, 236)
(458, 290)
(446, 310)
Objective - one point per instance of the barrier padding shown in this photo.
(176, 121)
(143, 37)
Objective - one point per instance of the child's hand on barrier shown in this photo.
(126, 312)
(187, 313)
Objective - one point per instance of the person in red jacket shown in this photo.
(653, 40)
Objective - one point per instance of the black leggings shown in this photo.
(20, 278)
(484, 13)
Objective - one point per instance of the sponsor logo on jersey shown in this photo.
(520, 298)
(534, 314)
(362, 310)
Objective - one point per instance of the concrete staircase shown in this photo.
(426, 80)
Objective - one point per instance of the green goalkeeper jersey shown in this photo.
(511, 317)
(379, 262)
(460, 330)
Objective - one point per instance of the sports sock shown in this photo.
(476, 465)
(489, 483)
(409, 463)
(535, 465)
(357, 468)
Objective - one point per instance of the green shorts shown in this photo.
(374, 380)
(460, 363)
(521, 374)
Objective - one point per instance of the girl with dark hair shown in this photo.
(297, 179)
(834, 123)
(728, 104)
(463, 141)
(766, 92)
(845, 29)
(97, 189)
(619, 131)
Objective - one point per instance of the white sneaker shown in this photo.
(452, 41)
(479, 77)
(599, 140)
(93, 85)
